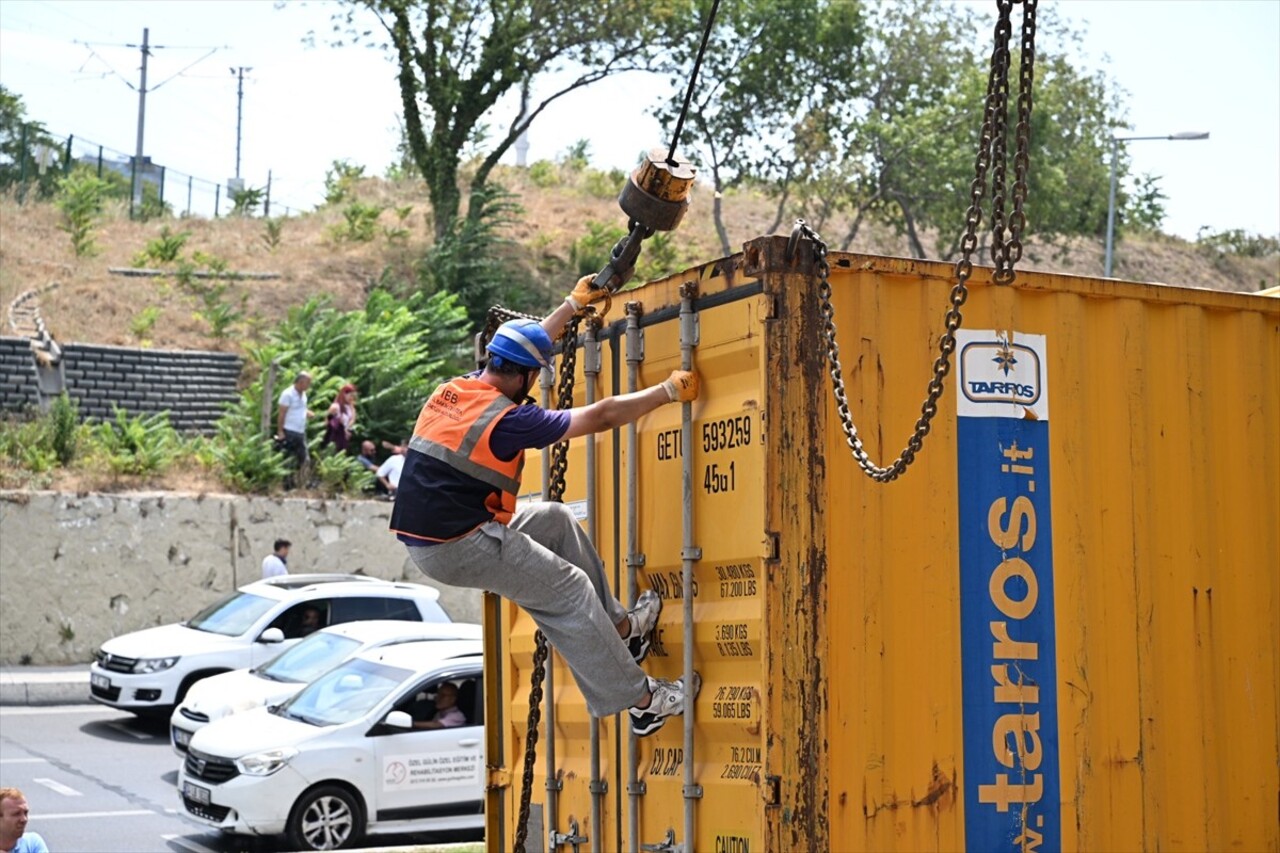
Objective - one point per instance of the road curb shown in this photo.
(44, 688)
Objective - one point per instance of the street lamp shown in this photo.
(1111, 205)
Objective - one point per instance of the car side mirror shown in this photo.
(399, 720)
(271, 635)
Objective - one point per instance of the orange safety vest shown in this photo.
(454, 427)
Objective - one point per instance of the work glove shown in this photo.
(584, 294)
(682, 386)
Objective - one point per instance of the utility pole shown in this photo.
(142, 115)
(239, 74)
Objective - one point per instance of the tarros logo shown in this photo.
(998, 371)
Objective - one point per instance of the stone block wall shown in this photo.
(192, 386)
(76, 570)
(18, 382)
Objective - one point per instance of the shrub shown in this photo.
(340, 181)
(64, 428)
(544, 174)
(248, 460)
(338, 473)
(360, 222)
(164, 249)
(245, 202)
(81, 195)
(141, 444)
(144, 321)
(591, 252)
(271, 233)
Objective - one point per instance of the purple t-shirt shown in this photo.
(527, 427)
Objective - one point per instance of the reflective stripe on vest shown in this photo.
(473, 456)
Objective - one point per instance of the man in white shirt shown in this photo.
(389, 471)
(291, 421)
(276, 563)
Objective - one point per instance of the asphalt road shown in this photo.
(101, 781)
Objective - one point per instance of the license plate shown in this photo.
(180, 737)
(195, 793)
(99, 681)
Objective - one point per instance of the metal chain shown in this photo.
(1022, 157)
(555, 492)
(998, 110)
(993, 116)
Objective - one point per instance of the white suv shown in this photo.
(348, 755)
(148, 672)
(240, 690)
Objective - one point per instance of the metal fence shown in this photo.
(41, 155)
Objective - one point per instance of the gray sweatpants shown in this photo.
(544, 562)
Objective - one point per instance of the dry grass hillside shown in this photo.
(89, 304)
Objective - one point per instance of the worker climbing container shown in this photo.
(1055, 630)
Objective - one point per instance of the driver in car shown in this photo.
(448, 714)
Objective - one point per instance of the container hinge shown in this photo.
(637, 789)
(772, 545)
(635, 561)
(559, 839)
(692, 792)
(691, 553)
(667, 846)
(773, 789)
(598, 786)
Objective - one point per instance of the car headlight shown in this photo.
(265, 763)
(145, 665)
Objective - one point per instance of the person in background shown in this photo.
(456, 512)
(368, 455)
(311, 621)
(448, 714)
(14, 813)
(389, 471)
(277, 562)
(291, 422)
(341, 420)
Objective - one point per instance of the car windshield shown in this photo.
(315, 655)
(345, 693)
(233, 614)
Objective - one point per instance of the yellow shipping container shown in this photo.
(1057, 630)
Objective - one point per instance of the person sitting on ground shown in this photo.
(368, 455)
(14, 814)
(448, 714)
(389, 472)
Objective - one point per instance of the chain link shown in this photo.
(555, 492)
(1005, 254)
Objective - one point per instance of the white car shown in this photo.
(149, 672)
(343, 758)
(275, 681)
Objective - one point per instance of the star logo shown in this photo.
(1005, 359)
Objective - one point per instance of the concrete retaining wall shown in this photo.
(76, 570)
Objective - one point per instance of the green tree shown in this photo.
(21, 142)
(769, 64)
(395, 350)
(21, 146)
(905, 152)
(457, 58)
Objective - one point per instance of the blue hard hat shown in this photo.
(524, 342)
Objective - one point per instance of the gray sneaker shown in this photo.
(669, 699)
(644, 616)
